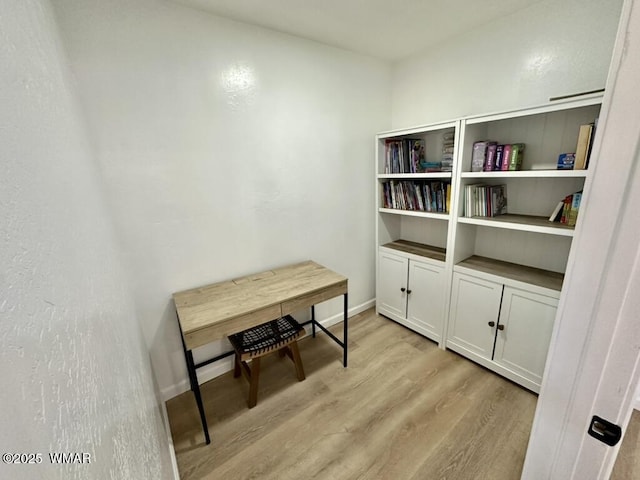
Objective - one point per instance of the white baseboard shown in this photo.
(225, 365)
(172, 451)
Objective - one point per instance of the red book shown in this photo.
(566, 209)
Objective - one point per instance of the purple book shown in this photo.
(490, 157)
(497, 164)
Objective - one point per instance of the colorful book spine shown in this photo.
(506, 157)
(566, 161)
(490, 157)
(593, 134)
(575, 206)
(582, 148)
(566, 209)
(497, 164)
(515, 160)
(478, 156)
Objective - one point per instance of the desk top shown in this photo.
(213, 311)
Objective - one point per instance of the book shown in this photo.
(506, 158)
(485, 200)
(565, 209)
(490, 157)
(469, 200)
(515, 160)
(448, 204)
(557, 212)
(478, 156)
(432, 166)
(416, 149)
(497, 165)
(500, 201)
(404, 156)
(418, 195)
(392, 156)
(575, 207)
(584, 136)
(566, 161)
(427, 197)
(593, 134)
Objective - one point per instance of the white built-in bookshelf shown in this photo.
(505, 257)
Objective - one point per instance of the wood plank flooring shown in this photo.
(403, 409)
(627, 464)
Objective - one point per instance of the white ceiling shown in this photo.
(388, 29)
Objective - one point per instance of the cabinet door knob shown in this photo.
(408, 291)
(492, 324)
(500, 327)
(402, 289)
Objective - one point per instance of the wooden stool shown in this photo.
(278, 335)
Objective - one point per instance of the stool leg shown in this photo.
(253, 384)
(236, 366)
(297, 361)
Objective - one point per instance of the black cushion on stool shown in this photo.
(266, 337)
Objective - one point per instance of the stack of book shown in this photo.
(485, 200)
(417, 196)
(404, 156)
(566, 212)
(489, 156)
(430, 166)
(447, 151)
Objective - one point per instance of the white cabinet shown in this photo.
(410, 291)
(522, 343)
(392, 285)
(504, 328)
(475, 304)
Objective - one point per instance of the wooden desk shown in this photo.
(215, 311)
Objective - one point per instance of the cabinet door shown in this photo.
(474, 303)
(392, 280)
(528, 323)
(425, 302)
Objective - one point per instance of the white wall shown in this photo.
(75, 373)
(553, 48)
(226, 149)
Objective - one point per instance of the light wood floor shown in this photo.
(627, 466)
(403, 409)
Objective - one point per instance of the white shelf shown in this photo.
(527, 174)
(414, 176)
(414, 213)
(524, 223)
(419, 249)
(436, 127)
(568, 104)
(506, 270)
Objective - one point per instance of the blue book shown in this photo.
(566, 161)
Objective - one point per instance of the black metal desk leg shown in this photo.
(313, 321)
(195, 388)
(345, 328)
